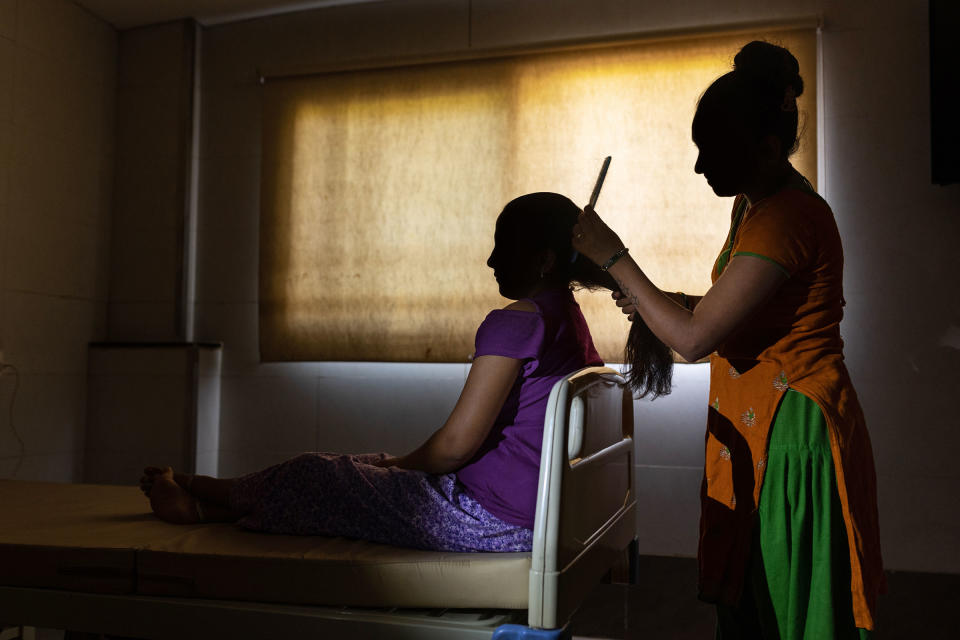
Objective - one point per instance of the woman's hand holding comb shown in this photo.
(594, 239)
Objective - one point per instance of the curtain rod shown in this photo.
(265, 75)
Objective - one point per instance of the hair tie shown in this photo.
(789, 100)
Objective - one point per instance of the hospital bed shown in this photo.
(91, 558)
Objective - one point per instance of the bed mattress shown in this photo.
(103, 539)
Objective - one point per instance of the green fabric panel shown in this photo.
(802, 534)
(763, 257)
(722, 260)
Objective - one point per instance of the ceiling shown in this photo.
(124, 14)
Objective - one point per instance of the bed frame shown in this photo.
(585, 519)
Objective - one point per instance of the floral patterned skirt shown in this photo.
(346, 495)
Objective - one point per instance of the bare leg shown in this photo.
(146, 480)
(214, 496)
(170, 501)
(182, 498)
(214, 490)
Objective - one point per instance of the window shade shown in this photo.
(380, 188)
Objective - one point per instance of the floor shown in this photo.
(664, 605)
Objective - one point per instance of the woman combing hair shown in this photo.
(789, 534)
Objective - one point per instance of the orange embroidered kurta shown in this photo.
(792, 342)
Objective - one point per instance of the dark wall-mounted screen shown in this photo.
(945, 90)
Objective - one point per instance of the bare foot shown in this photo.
(149, 473)
(170, 501)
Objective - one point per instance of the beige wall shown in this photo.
(899, 233)
(57, 88)
(154, 143)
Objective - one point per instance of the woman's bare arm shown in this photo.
(455, 443)
(684, 300)
(744, 285)
(627, 308)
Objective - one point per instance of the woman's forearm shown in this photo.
(746, 283)
(664, 315)
(433, 456)
(662, 311)
(461, 436)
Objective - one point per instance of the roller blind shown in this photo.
(380, 188)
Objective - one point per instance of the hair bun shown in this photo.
(771, 64)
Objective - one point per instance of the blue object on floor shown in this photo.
(521, 632)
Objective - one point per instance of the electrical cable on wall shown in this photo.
(13, 428)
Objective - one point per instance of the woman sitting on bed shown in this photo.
(472, 486)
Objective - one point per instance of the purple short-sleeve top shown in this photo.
(552, 342)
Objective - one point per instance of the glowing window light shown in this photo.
(381, 188)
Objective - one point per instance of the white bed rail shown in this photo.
(586, 510)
